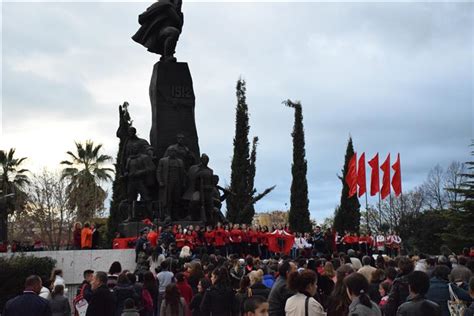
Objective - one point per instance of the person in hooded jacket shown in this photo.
(417, 304)
(399, 291)
(219, 298)
(123, 290)
(439, 289)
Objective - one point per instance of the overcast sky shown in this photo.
(397, 77)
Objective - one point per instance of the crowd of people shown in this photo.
(183, 271)
(257, 240)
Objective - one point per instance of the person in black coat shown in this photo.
(417, 304)
(280, 291)
(219, 299)
(399, 292)
(195, 305)
(29, 303)
(103, 301)
(123, 290)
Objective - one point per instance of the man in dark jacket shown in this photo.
(29, 303)
(439, 289)
(280, 292)
(399, 292)
(102, 302)
(417, 304)
(85, 288)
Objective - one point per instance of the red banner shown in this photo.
(361, 182)
(385, 167)
(397, 177)
(351, 176)
(374, 177)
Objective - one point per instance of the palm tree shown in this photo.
(85, 171)
(13, 182)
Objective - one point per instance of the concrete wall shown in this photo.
(74, 262)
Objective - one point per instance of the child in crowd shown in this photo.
(384, 289)
(129, 308)
(256, 306)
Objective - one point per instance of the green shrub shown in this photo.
(15, 270)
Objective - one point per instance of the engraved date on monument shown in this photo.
(181, 92)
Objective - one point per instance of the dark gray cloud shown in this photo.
(397, 77)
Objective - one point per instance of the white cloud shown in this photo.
(390, 74)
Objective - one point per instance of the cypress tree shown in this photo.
(246, 214)
(240, 167)
(460, 218)
(119, 190)
(299, 209)
(347, 215)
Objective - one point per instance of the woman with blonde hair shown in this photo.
(329, 271)
(256, 284)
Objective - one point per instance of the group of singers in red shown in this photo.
(245, 240)
(390, 243)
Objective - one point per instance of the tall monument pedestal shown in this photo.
(172, 106)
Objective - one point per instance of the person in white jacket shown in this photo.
(57, 279)
(303, 302)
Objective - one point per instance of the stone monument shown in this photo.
(170, 182)
(171, 87)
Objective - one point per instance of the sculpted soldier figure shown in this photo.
(133, 146)
(161, 25)
(182, 152)
(140, 171)
(217, 199)
(200, 190)
(170, 175)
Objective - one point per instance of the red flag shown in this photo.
(385, 167)
(397, 177)
(361, 175)
(351, 176)
(374, 176)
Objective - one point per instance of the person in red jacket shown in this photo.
(363, 244)
(345, 241)
(370, 244)
(263, 239)
(354, 241)
(219, 239)
(236, 239)
(179, 238)
(184, 288)
(253, 236)
(152, 237)
(228, 245)
(189, 239)
(209, 238)
(77, 236)
(245, 245)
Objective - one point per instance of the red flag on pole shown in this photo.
(374, 176)
(361, 175)
(351, 176)
(385, 167)
(397, 177)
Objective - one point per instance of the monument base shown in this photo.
(130, 229)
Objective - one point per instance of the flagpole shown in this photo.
(367, 210)
(380, 212)
(391, 210)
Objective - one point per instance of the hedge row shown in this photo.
(15, 270)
